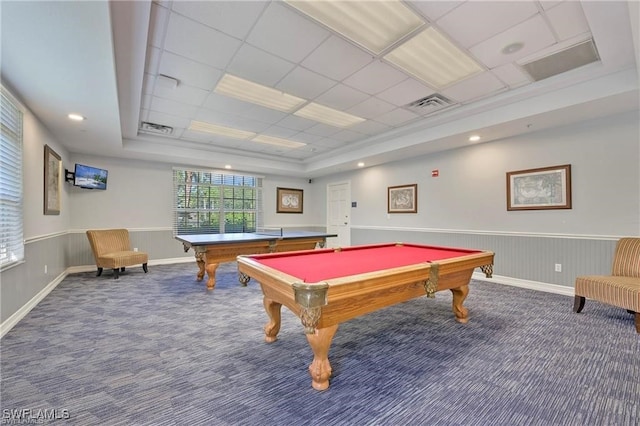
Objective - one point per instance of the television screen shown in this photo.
(90, 177)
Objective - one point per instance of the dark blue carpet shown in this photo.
(158, 349)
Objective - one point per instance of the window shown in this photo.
(208, 202)
(11, 234)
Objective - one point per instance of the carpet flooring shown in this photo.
(159, 349)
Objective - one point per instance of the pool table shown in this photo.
(328, 286)
(213, 249)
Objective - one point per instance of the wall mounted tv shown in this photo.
(90, 177)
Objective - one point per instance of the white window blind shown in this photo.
(11, 234)
(209, 202)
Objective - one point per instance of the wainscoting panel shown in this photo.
(523, 257)
(159, 244)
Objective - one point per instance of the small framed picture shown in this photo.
(52, 181)
(289, 200)
(539, 189)
(402, 199)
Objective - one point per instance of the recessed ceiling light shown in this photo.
(277, 141)
(76, 117)
(327, 115)
(474, 138)
(228, 166)
(374, 25)
(432, 58)
(200, 126)
(255, 93)
(512, 48)
(361, 164)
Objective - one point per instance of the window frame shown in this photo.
(12, 251)
(222, 202)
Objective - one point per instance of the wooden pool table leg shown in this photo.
(459, 295)
(320, 368)
(211, 272)
(200, 261)
(272, 328)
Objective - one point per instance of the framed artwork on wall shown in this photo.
(402, 199)
(289, 200)
(52, 181)
(539, 189)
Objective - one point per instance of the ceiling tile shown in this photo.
(336, 59)
(405, 92)
(285, 33)
(307, 137)
(322, 130)
(347, 136)
(568, 19)
(305, 84)
(375, 78)
(370, 127)
(432, 10)
(167, 106)
(281, 132)
(230, 120)
(260, 113)
(533, 33)
(474, 87)
(512, 75)
(296, 123)
(168, 120)
(259, 66)
(371, 108)
(225, 104)
(199, 42)
(186, 94)
(489, 19)
(341, 97)
(397, 117)
(230, 17)
(189, 72)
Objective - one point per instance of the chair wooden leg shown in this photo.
(116, 273)
(578, 303)
(99, 272)
(638, 322)
(144, 268)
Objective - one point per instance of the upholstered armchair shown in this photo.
(621, 288)
(112, 249)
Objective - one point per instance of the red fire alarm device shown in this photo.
(435, 173)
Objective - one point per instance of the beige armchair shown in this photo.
(112, 249)
(621, 288)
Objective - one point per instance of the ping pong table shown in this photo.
(213, 249)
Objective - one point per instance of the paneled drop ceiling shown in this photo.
(153, 78)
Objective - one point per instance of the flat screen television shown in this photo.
(90, 177)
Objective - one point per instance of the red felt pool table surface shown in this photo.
(321, 265)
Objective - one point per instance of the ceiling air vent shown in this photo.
(158, 129)
(430, 104)
(565, 60)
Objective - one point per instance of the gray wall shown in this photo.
(464, 206)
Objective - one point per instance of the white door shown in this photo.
(338, 214)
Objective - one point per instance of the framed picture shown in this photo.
(402, 199)
(289, 200)
(52, 181)
(539, 189)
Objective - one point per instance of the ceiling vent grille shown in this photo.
(565, 60)
(158, 129)
(430, 104)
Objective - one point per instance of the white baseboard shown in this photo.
(10, 322)
(531, 285)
